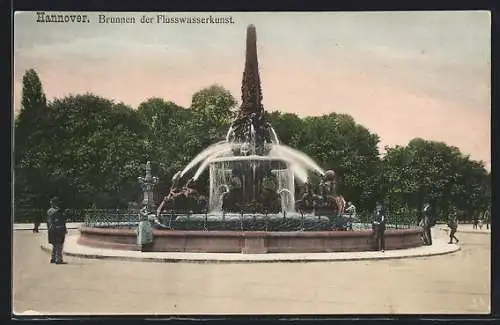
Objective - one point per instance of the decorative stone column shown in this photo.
(147, 184)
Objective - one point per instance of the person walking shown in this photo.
(453, 225)
(475, 222)
(56, 226)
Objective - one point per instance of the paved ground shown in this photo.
(467, 228)
(454, 283)
(43, 226)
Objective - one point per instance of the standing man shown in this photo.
(487, 217)
(379, 227)
(56, 226)
(428, 222)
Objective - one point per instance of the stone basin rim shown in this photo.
(232, 233)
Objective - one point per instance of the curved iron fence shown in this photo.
(186, 221)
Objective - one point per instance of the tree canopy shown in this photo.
(90, 150)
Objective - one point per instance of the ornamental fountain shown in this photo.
(248, 159)
(252, 205)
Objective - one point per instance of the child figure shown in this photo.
(144, 231)
(351, 212)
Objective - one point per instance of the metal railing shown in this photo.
(29, 215)
(111, 218)
(129, 218)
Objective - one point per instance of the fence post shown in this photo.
(266, 220)
(171, 215)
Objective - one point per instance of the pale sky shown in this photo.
(400, 74)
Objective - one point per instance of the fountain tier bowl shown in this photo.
(359, 239)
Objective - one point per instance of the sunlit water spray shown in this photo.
(219, 156)
(299, 158)
(210, 151)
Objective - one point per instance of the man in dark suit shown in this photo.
(56, 226)
(379, 227)
(487, 214)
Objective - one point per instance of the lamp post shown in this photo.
(147, 184)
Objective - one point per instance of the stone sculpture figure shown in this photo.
(328, 184)
(327, 202)
(144, 231)
(182, 197)
(308, 200)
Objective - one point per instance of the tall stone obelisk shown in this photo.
(250, 126)
(251, 91)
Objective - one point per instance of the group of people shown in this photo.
(427, 221)
(481, 219)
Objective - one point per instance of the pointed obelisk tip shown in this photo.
(251, 30)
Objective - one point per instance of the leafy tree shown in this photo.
(430, 171)
(471, 192)
(336, 142)
(98, 151)
(289, 127)
(90, 151)
(214, 109)
(216, 103)
(170, 144)
(30, 136)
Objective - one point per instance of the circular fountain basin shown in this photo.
(253, 242)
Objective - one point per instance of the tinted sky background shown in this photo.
(400, 74)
